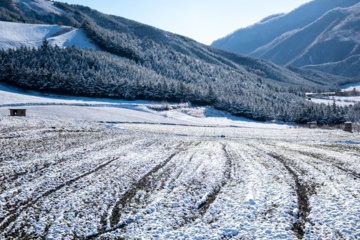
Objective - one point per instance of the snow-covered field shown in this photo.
(106, 169)
(110, 110)
(351, 86)
(15, 35)
(341, 101)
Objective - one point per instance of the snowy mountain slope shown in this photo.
(15, 35)
(41, 7)
(316, 33)
(247, 40)
(134, 40)
(337, 38)
(157, 65)
(330, 38)
(348, 67)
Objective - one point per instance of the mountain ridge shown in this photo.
(137, 61)
(290, 40)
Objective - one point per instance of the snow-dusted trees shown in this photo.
(143, 62)
(172, 77)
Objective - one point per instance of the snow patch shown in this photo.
(350, 87)
(112, 110)
(15, 35)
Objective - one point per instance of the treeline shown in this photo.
(142, 62)
(97, 74)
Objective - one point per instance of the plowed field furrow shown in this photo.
(127, 171)
(343, 148)
(139, 193)
(36, 169)
(46, 142)
(210, 198)
(181, 185)
(303, 192)
(345, 161)
(63, 172)
(156, 181)
(24, 204)
(16, 211)
(318, 178)
(250, 202)
(143, 183)
(321, 160)
(334, 162)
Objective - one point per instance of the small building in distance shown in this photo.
(18, 112)
(312, 124)
(348, 127)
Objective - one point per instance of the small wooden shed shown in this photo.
(312, 124)
(348, 127)
(18, 112)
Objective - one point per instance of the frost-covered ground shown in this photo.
(68, 171)
(341, 101)
(15, 35)
(351, 86)
(111, 110)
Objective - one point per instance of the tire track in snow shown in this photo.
(39, 168)
(143, 183)
(303, 192)
(211, 197)
(325, 158)
(67, 158)
(16, 211)
(249, 198)
(146, 183)
(340, 148)
(334, 162)
(156, 190)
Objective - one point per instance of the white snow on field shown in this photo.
(111, 110)
(68, 179)
(15, 35)
(109, 169)
(350, 87)
(341, 101)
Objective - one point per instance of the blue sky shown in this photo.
(202, 20)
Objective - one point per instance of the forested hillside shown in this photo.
(141, 62)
